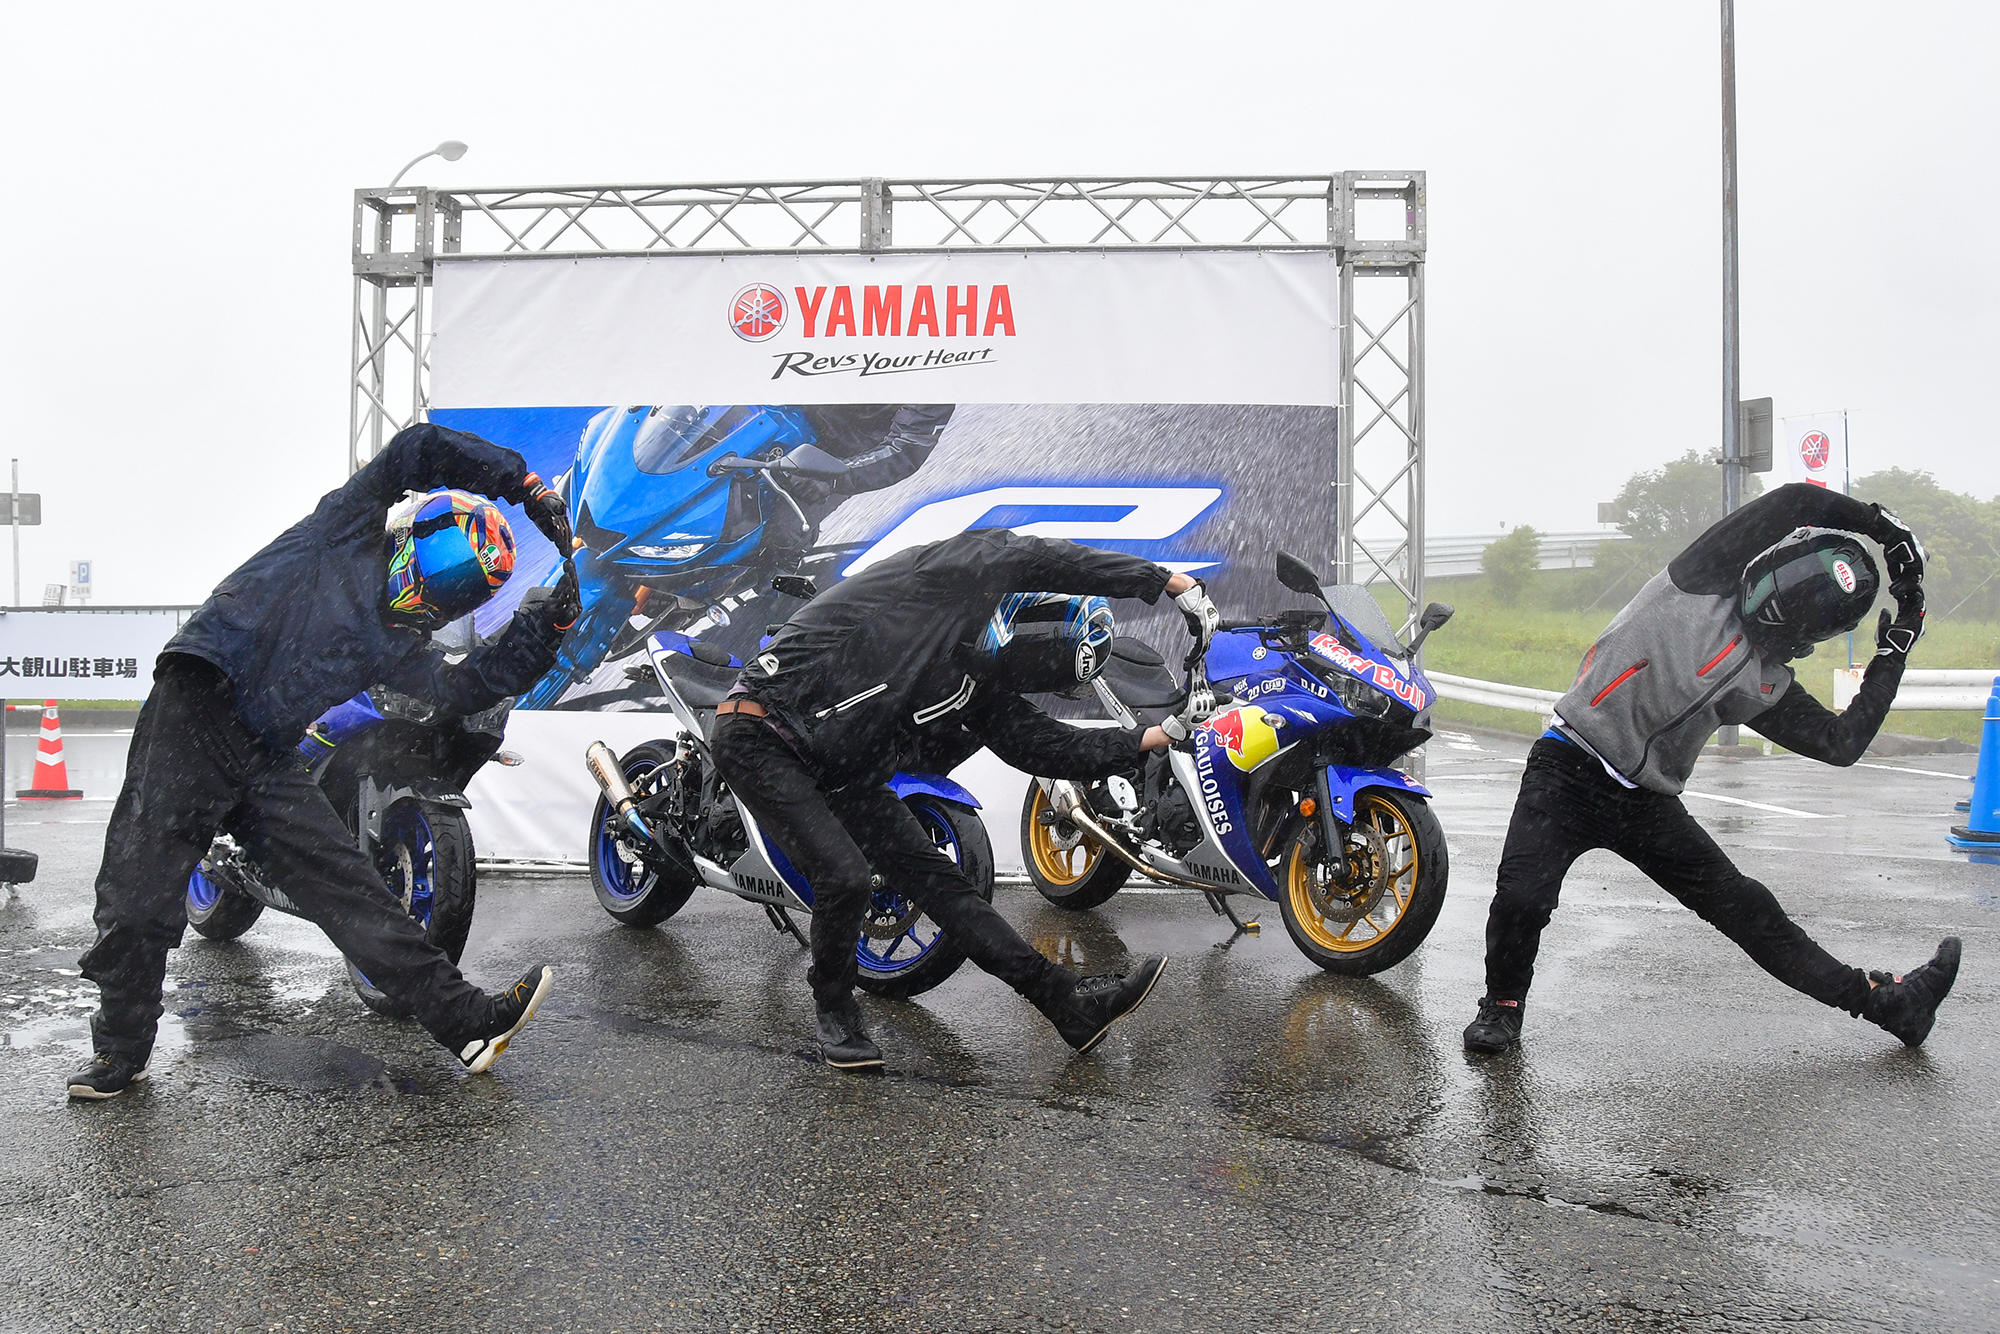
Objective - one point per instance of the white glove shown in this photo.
(1202, 617)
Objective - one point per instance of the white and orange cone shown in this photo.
(51, 774)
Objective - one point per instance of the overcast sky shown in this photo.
(177, 234)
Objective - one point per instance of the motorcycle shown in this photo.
(396, 768)
(666, 823)
(679, 509)
(1284, 794)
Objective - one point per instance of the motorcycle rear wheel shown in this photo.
(426, 861)
(218, 907)
(634, 893)
(922, 956)
(1077, 877)
(1395, 892)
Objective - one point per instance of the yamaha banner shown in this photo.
(1176, 406)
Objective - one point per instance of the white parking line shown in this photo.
(1899, 769)
(1759, 806)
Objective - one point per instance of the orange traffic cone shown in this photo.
(51, 774)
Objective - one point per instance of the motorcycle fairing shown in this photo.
(1345, 782)
(907, 785)
(1217, 787)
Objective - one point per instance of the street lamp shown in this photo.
(451, 150)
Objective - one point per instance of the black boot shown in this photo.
(512, 1009)
(1088, 1011)
(1497, 1028)
(1907, 1005)
(843, 1044)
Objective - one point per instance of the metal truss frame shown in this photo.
(1372, 222)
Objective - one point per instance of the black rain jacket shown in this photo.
(298, 627)
(877, 673)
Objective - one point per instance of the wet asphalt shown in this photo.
(1681, 1144)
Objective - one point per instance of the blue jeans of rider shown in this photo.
(195, 769)
(824, 834)
(1569, 805)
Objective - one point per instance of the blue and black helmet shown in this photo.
(1046, 642)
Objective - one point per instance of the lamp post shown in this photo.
(451, 150)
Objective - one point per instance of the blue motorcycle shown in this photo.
(680, 510)
(396, 769)
(666, 824)
(1285, 794)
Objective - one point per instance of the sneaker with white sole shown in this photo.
(108, 1075)
(512, 1009)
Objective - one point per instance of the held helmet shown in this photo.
(455, 553)
(1814, 584)
(1036, 643)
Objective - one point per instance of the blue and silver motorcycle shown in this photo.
(680, 510)
(396, 769)
(1285, 794)
(666, 823)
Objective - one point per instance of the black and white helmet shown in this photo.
(1814, 584)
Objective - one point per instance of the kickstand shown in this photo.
(1220, 903)
(782, 921)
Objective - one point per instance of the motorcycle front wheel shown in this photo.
(632, 891)
(1068, 866)
(218, 907)
(425, 856)
(902, 952)
(1394, 890)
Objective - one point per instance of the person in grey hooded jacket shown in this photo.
(1705, 643)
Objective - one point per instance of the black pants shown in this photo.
(1569, 805)
(824, 834)
(195, 769)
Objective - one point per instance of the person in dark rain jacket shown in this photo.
(335, 605)
(1703, 644)
(910, 657)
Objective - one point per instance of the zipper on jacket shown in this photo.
(1710, 665)
(1620, 680)
(853, 700)
(1646, 755)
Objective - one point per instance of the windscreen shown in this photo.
(1358, 607)
(670, 437)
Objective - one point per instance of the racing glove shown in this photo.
(549, 512)
(556, 605)
(1905, 554)
(1203, 619)
(1898, 635)
(1200, 705)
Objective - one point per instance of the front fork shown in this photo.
(1332, 829)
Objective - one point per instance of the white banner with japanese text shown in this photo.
(76, 653)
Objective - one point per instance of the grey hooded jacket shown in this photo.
(1678, 661)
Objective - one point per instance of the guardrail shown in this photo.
(1929, 689)
(1937, 690)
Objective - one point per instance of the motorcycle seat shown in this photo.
(1139, 677)
(701, 684)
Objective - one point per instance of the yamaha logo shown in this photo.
(757, 313)
(1844, 572)
(1815, 449)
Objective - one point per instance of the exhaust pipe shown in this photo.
(1068, 805)
(603, 766)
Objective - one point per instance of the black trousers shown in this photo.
(1569, 805)
(824, 834)
(194, 769)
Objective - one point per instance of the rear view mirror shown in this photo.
(1298, 576)
(1436, 614)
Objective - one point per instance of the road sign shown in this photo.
(79, 579)
(1753, 416)
(26, 509)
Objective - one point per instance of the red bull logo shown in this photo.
(1246, 734)
(1383, 678)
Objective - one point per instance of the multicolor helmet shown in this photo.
(457, 552)
(1047, 642)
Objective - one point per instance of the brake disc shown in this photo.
(1367, 877)
(883, 921)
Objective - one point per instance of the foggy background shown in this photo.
(180, 194)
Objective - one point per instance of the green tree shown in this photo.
(1510, 562)
(1961, 537)
(1667, 508)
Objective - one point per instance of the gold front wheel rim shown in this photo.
(1373, 927)
(1058, 865)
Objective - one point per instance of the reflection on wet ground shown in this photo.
(1680, 1145)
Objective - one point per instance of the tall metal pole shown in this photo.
(1732, 444)
(14, 514)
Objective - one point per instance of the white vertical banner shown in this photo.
(1815, 447)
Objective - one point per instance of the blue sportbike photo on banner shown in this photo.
(713, 520)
